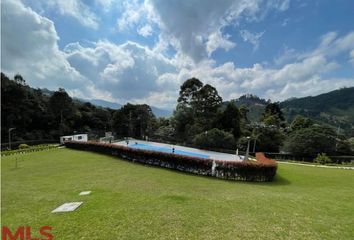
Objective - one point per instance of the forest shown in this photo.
(201, 119)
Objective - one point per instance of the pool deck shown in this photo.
(212, 155)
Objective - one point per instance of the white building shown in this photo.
(76, 137)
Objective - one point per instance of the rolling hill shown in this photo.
(335, 108)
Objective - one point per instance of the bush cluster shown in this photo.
(262, 170)
(23, 146)
(322, 158)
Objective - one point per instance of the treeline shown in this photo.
(200, 119)
(37, 116)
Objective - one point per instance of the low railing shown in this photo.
(29, 149)
(14, 145)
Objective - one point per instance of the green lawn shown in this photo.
(132, 201)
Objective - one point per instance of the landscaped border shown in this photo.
(29, 149)
(262, 170)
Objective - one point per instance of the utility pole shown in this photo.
(338, 129)
(130, 124)
(10, 129)
(254, 145)
(248, 148)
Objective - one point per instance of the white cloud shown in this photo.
(76, 9)
(253, 38)
(32, 49)
(216, 40)
(133, 12)
(352, 56)
(310, 87)
(287, 55)
(192, 24)
(296, 79)
(129, 71)
(106, 4)
(145, 31)
(136, 73)
(281, 5)
(332, 45)
(193, 28)
(164, 100)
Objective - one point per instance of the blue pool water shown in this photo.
(166, 150)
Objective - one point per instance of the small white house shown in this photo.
(76, 137)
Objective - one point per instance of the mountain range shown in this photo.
(158, 112)
(335, 108)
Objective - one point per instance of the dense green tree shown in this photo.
(300, 123)
(311, 141)
(134, 121)
(181, 121)
(196, 109)
(229, 120)
(36, 115)
(215, 138)
(273, 115)
(343, 147)
(268, 138)
(165, 133)
(61, 105)
(23, 108)
(205, 105)
(19, 79)
(188, 90)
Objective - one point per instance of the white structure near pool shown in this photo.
(76, 137)
(176, 149)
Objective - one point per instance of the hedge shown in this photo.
(262, 170)
(29, 149)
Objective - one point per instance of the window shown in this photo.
(79, 137)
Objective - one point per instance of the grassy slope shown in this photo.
(131, 201)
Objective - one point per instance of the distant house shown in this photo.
(76, 137)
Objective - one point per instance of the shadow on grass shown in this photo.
(277, 181)
(176, 198)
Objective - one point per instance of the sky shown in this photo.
(142, 51)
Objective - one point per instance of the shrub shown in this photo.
(23, 146)
(322, 158)
(263, 169)
(215, 138)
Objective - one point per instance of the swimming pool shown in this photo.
(181, 150)
(139, 145)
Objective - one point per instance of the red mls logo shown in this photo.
(25, 233)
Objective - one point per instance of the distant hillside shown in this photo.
(255, 105)
(158, 112)
(335, 108)
(103, 103)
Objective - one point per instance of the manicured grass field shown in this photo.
(132, 201)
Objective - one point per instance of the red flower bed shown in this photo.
(263, 169)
